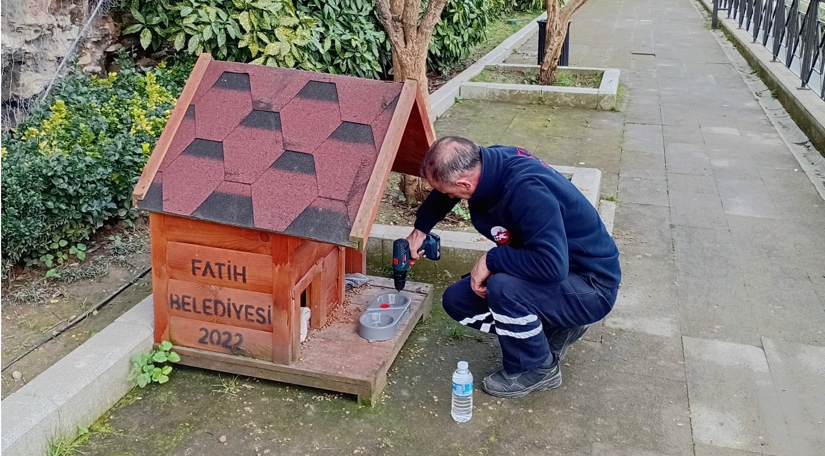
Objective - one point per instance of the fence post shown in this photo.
(714, 21)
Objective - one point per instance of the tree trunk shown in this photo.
(410, 32)
(558, 17)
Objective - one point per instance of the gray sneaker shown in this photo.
(561, 340)
(502, 384)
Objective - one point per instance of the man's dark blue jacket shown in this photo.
(542, 224)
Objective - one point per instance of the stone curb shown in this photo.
(603, 98)
(79, 388)
(442, 99)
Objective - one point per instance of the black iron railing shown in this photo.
(792, 30)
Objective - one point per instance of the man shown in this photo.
(555, 268)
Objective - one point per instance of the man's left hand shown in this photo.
(479, 275)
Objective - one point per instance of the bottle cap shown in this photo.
(462, 364)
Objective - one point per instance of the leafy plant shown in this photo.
(52, 274)
(72, 165)
(461, 212)
(352, 40)
(150, 367)
(463, 24)
(68, 447)
(265, 32)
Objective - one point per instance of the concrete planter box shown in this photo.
(602, 99)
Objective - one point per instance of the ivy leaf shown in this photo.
(173, 357)
(132, 29)
(162, 379)
(166, 345)
(145, 38)
(81, 255)
(166, 370)
(63, 243)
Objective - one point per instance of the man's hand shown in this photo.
(416, 240)
(479, 275)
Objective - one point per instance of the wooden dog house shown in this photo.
(262, 191)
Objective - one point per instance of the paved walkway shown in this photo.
(723, 239)
(716, 344)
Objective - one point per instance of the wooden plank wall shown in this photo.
(236, 291)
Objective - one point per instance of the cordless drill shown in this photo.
(401, 257)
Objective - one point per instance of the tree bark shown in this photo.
(559, 13)
(410, 33)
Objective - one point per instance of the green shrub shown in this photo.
(353, 38)
(72, 165)
(265, 32)
(463, 24)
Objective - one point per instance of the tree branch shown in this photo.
(431, 17)
(567, 11)
(409, 20)
(390, 25)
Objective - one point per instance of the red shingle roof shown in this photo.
(279, 150)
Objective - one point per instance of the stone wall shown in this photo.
(38, 34)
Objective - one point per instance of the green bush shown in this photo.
(72, 164)
(265, 32)
(464, 24)
(353, 41)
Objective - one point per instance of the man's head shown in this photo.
(453, 166)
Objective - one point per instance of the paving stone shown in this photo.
(643, 191)
(798, 372)
(649, 114)
(636, 353)
(713, 300)
(679, 115)
(643, 138)
(746, 197)
(643, 165)
(688, 162)
(642, 414)
(702, 449)
(701, 210)
(720, 375)
(682, 134)
(689, 183)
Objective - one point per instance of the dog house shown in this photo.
(262, 191)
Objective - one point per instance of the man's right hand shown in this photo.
(416, 240)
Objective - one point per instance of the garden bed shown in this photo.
(587, 88)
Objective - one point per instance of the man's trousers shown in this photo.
(525, 314)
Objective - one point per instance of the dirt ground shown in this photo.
(35, 308)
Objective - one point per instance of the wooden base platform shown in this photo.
(335, 358)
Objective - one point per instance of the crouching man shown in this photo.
(555, 269)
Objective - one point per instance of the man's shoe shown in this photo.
(502, 384)
(562, 340)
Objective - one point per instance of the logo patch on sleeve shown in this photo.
(500, 235)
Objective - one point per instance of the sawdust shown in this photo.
(344, 313)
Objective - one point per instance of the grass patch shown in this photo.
(230, 386)
(66, 447)
(99, 267)
(501, 29)
(455, 332)
(564, 78)
(611, 198)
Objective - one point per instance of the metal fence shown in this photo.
(792, 30)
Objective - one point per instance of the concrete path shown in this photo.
(716, 344)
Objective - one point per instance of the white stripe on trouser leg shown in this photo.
(514, 321)
(518, 335)
(486, 327)
(478, 317)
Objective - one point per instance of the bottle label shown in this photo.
(463, 389)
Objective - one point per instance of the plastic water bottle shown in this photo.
(462, 407)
